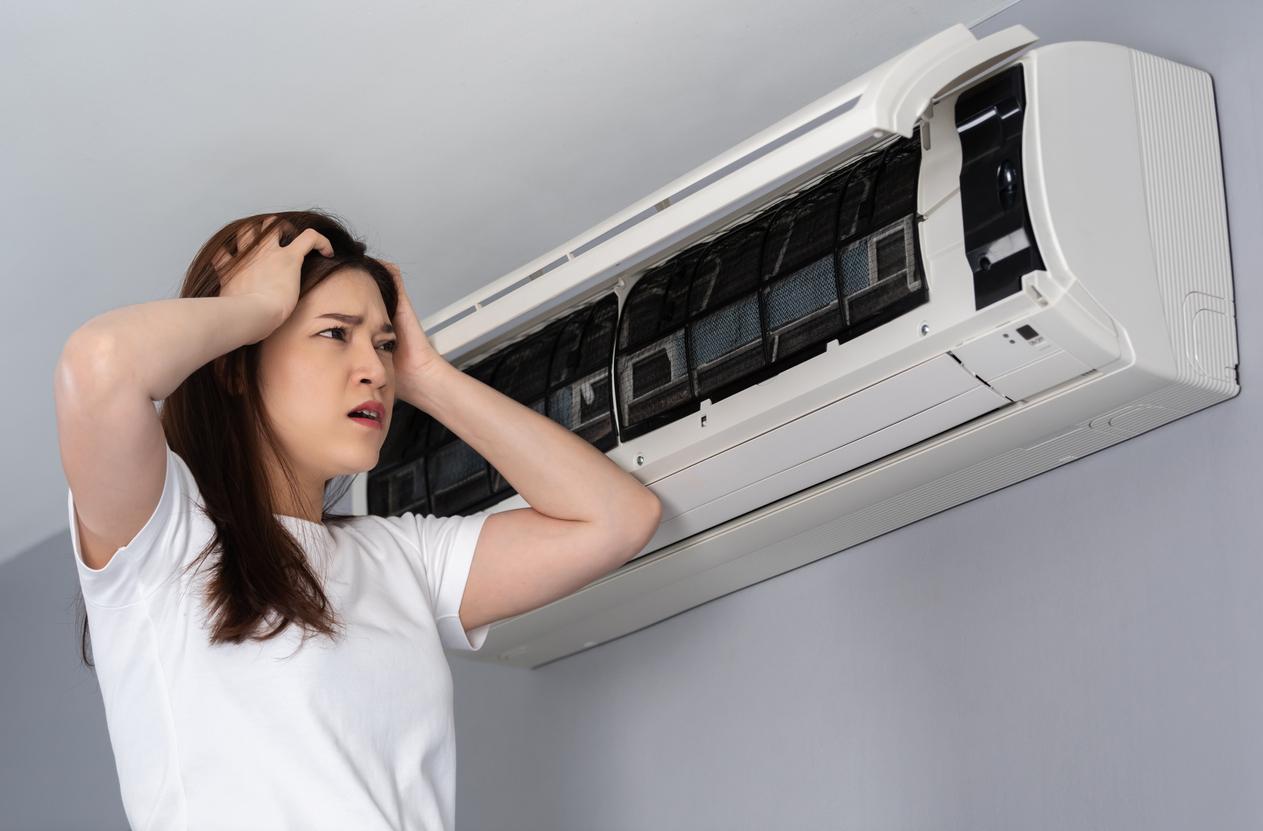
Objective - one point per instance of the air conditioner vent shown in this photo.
(764, 295)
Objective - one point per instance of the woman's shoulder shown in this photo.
(176, 531)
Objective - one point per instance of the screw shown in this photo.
(925, 329)
(640, 459)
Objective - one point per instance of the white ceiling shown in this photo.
(460, 140)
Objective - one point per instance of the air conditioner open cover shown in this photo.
(950, 395)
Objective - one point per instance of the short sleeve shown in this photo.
(446, 545)
(154, 554)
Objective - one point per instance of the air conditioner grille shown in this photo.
(829, 263)
(658, 303)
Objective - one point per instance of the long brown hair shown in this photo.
(215, 422)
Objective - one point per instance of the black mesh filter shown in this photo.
(728, 268)
(828, 263)
(856, 210)
(879, 265)
(398, 490)
(522, 375)
(580, 398)
(725, 346)
(397, 484)
(652, 367)
(405, 421)
(802, 311)
(565, 359)
(658, 303)
(801, 295)
(878, 271)
(725, 337)
(584, 408)
(653, 382)
(598, 337)
(895, 195)
(523, 371)
(458, 477)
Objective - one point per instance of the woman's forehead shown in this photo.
(351, 291)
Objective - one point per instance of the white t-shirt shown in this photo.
(356, 733)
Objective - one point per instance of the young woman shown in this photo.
(263, 662)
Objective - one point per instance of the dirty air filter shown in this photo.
(830, 262)
(580, 396)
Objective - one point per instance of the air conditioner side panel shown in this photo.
(1126, 196)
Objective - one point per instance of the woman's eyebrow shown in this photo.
(355, 320)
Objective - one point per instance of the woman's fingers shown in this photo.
(275, 231)
(309, 239)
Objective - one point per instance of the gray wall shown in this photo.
(1080, 650)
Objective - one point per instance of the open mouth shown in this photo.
(365, 417)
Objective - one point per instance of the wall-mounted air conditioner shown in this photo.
(967, 266)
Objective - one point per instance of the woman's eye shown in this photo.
(391, 344)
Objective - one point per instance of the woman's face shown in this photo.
(311, 376)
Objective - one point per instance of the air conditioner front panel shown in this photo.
(777, 484)
(787, 444)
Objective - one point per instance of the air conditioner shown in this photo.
(967, 266)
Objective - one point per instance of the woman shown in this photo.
(265, 664)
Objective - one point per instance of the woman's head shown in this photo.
(299, 383)
(264, 429)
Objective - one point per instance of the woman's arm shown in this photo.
(587, 516)
(111, 370)
(152, 347)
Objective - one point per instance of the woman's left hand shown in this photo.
(414, 357)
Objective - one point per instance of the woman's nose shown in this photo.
(373, 365)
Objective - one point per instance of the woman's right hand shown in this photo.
(272, 271)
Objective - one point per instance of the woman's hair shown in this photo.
(216, 422)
